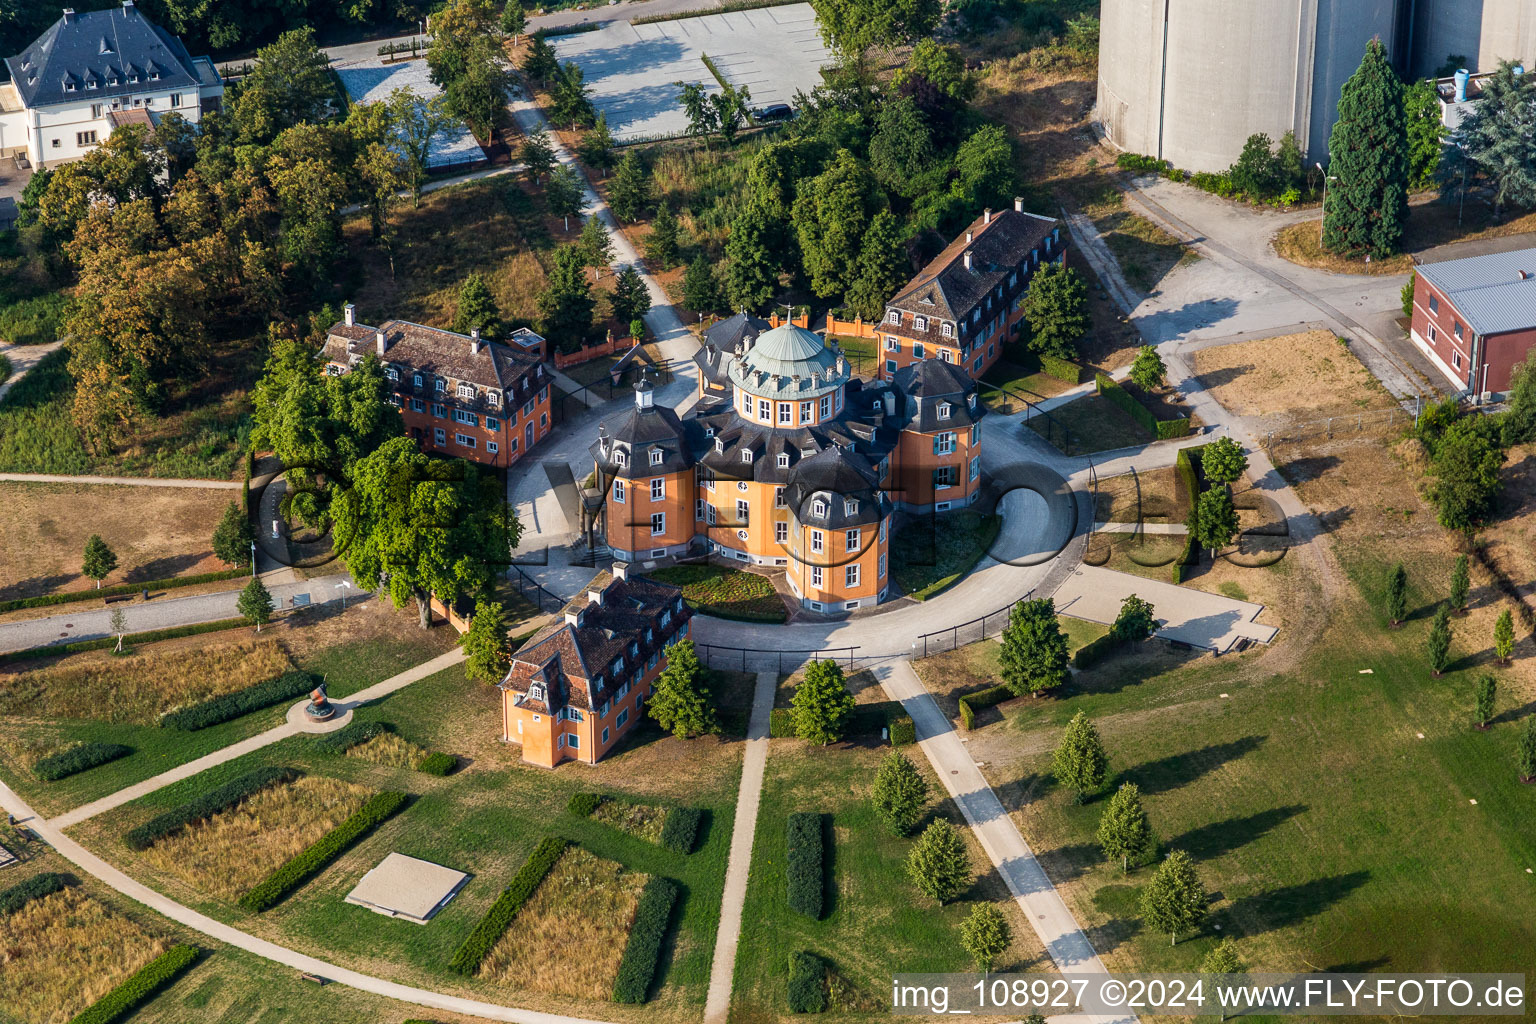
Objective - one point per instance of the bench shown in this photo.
(115, 598)
(314, 978)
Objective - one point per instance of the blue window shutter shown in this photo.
(935, 444)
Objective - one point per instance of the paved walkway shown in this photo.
(23, 358)
(1184, 614)
(121, 481)
(265, 739)
(1069, 949)
(717, 1003)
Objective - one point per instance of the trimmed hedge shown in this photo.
(807, 983)
(974, 702)
(1064, 370)
(207, 805)
(119, 589)
(866, 720)
(681, 829)
(77, 759)
(34, 888)
(438, 764)
(1161, 429)
(903, 732)
(146, 637)
(1095, 651)
(242, 702)
(802, 835)
(309, 862)
(138, 987)
(638, 965)
(1184, 467)
(582, 804)
(351, 735)
(466, 959)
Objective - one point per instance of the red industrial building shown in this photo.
(1476, 318)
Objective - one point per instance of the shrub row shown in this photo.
(349, 736)
(1163, 430)
(582, 804)
(903, 732)
(1095, 651)
(242, 702)
(807, 983)
(728, 5)
(974, 702)
(310, 861)
(681, 829)
(437, 764)
(802, 834)
(638, 965)
(77, 759)
(866, 720)
(466, 959)
(1189, 479)
(138, 987)
(207, 805)
(1064, 370)
(147, 637)
(34, 888)
(117, 590)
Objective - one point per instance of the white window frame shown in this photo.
(818, 507)
(816, 576)
(746, 455)
(743, 511)
(465, 441)
(658, 523)
(893, 317)
(765, 410)
(658, 488)
(853, 539)
(851, 575)
(657, 455)
(781, 532)
(947, 329)
(787, 412)
(919, 323)
(816, 541)
(826, 406)
(807, 411)
(618, 491)
(783, 460)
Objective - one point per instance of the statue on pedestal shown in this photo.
(319, 707)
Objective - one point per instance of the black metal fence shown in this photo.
(989, 625)
(758, 659)
(534, 592)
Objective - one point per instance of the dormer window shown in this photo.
(746, 455)
(656, 456)
(154, 76)
(709, 431)
(440, 384)
(947, 330)
(783, 459)
(893, 317)
(90, 83)
(493, 399)
(106, 45)
(620, 458)
(466, 392)
(819, 507)
(944, 408)
(850, 506)
(391, 373)
(919, 323)
(719, 446)
(536, 692)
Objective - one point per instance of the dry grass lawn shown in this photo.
(1429, 224)
(61, 953)
(235, 849)
(1287, 379)
(569, 937)
(643, 821)
(156, 532)
(389, 749)
(139, 688)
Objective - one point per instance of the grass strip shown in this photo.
(138, 987)
(147, 637)
(466, 959)
(77, 759)
(34, 888)
(803, 877)
(311, 861)
(681, 829)
(119, 589)
(637, 968)
(207, 805)
(343, 740)
(242, 702)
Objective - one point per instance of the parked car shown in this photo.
(773, 112)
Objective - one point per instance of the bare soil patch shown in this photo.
(156, 532)
(235, 849)
(569, 937)
(63, 952)
(1288, 379)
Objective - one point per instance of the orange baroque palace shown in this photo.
(787, 461)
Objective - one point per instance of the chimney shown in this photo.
(986, 215)
(381, 341)
(574, 617)
(968, 237)
(1018, 204)
(128, 7)
(69, 15)
(644, 399)
(594, 597)
(349, 315)
(621, 570)
(474, 341)
(1525, 275)
(970, 259)
(1462, 77)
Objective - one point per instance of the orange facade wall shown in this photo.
(834, 559)
(517, 431)
(763, 512)
(916, 461)
(627, 523)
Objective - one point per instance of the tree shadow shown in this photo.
(1066, 863)
(1024, 790)
(1288, 905)
(36, 586)
(1177, 770)
(1300, 471)
(161, 568)
(1513, 714)
(1221, 837)
(1225, 375)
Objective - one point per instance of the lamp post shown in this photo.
(1323, 223)
(344, 586)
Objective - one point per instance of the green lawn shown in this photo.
(484, 820)
(863, 354)
(1089, 424)
(929, 554)
(1024, 379)
(725, 592)
(1346, 821)
(874, 921)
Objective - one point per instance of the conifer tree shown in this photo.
(1080, 763)
(564, 195)
(939, 865)
(1440, 641)
(821, 704)
(1368, 155)
(900, 793)
(1460, 585)
(661, 243)
(1483, 702)
(1397, 594)
(487, 645)
(477, 308)
(1504, 636)
(1124, 831)
(255, 603)
(1525, 756)
(233, 536)
(681, 704)
(1034, 655)
(630, 299)
(596, 245)
(99, 560)
(629, 193)
(700, 292)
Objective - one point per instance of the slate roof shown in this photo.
(732, 331)
(930, 383)
(100, 53)
(565, 658)
(640, 431)
(433, 351)
(946, 290)
(1489, 291)
(842, 475)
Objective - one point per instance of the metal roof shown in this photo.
(1494, 294)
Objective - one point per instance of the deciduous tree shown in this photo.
(1147, 369)
(417, 123)
(99, 560)
(1125, 834)
(1135, 622)
(1461, 583)
(1223, 461)
(831, 213)
(596, 245)
(1216, 519)
(751, 269)
(883, 267)
(1368, 155)
(1504, 636)
(1223, 959)
(537, 155)
(1080, 763)
(290, 83)
(984, 170)
(1426, 132)
(899, 794)
(1057, 310)
(487, 645)
(233, 537)
(565, 195)
(1466, 468)
(854, 26)
(681, 703)
(255, 603)
(985, 935)
(1174, 901)
(1034, 655)
(1483, 702)
(822, 704)
(939, 865)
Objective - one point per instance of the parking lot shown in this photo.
(634, 70)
